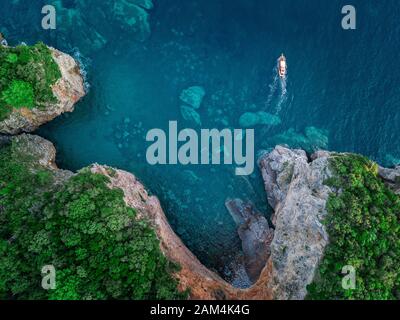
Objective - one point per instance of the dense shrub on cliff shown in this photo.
(26, 76)
(363, 223)
(82, 228)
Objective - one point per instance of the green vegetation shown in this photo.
(19, 94)
(363, 223)
(83, 228)
(26, 76)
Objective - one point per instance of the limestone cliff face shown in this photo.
(68, 90)
(296, 190)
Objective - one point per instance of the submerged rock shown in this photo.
(91, 22)
(252, 119)
(255, 233)
(85, 35)
(317, 138)
(133, 17)
(312, 140)
(191, 115)
(193, 96)
(146, 4)
(391, 160)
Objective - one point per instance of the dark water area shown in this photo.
(342, 92)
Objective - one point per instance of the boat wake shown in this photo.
(277, 94)
(283, 95)
(272, 89)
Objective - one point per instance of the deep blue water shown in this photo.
(345, 84)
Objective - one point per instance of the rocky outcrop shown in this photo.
(282, 261)
(296, 190)
(68, 90)
(203, 283)
(292, 252)
(41, 152)
(255, 233)
(391, 177)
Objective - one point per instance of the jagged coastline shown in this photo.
(282, 259)
(296, 189)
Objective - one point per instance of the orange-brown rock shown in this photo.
(203, 283)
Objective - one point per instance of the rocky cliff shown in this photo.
(67, 90)
(296, 190)
(281, 260)
(284, 260)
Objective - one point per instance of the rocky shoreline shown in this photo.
(281, 260)
(289, 255)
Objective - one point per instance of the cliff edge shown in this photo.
(284, 258)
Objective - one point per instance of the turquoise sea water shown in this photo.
(342, 91)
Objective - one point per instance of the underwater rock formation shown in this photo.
(132, 17)
(191, 116)
(312, 140)
(390, 160)
(67, 90)
(146, 4)
(193, 96)
(85, 35)
(252, 119)
(89, 35)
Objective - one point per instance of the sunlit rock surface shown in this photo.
(296, 190)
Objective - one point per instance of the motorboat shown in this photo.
(282, 66)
